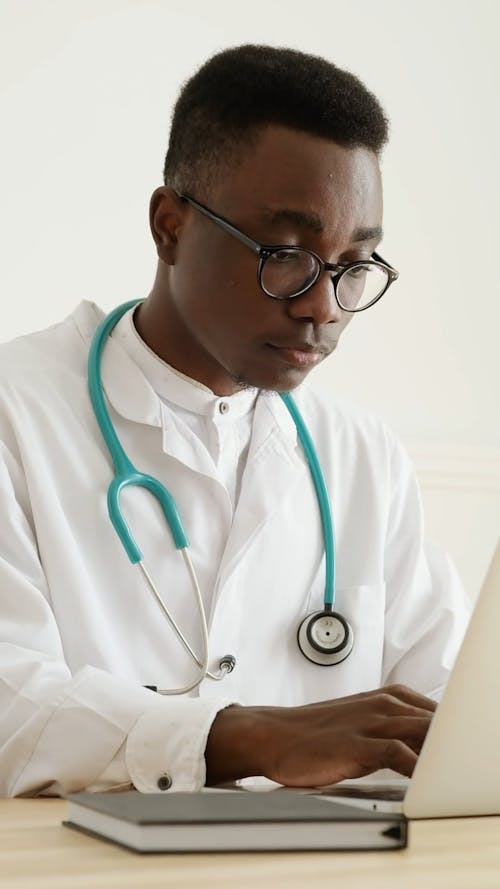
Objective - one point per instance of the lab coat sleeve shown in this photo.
(427, 609)
(61, 732)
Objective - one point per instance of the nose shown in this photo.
(318, 304)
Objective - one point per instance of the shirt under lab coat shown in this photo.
(80, 636)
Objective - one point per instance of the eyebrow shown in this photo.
(370, 233)
(298, 217)
(315, 223)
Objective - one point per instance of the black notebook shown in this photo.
(232, 820)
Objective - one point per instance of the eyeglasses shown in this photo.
(285, 272)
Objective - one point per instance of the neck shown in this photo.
(158, 323)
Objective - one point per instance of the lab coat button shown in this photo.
(164, 782)
(223, 407)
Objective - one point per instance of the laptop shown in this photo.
(458, 770)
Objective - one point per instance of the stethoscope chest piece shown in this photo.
(325, 638)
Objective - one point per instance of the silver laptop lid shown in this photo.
(458, 770)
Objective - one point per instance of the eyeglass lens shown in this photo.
(286, 273)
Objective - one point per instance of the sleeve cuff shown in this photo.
(165, 749)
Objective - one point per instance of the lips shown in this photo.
(297, 347)
(299, 354)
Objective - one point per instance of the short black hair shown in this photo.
(222, 108)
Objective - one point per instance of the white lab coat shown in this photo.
(79, 632)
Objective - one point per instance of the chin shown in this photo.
(273, 384)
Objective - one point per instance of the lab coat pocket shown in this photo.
(272, 670)
(363, 607)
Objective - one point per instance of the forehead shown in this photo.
(285, 168)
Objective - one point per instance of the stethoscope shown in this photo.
(324, 637)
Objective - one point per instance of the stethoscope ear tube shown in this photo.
(126, 474)
(322, 497)
(167, 503)
(122, 464)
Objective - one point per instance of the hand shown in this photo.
(321, 743)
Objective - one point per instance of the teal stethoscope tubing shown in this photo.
(322, 497)
(127, 475)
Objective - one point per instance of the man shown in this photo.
(268, 147)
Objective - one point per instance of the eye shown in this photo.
(285, 257)
(358, 271)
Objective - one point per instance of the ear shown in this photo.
(167, 213)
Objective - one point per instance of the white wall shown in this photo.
(86, 90)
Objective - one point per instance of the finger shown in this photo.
(403, 694)
(411, 697)
(393, 754)
(390, 693)
(388, 705)
(367, 756)
(396, 699)
(410, 729)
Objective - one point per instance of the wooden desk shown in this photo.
(37, 852)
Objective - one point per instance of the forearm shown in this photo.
(239, 744)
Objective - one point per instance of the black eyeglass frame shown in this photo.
(265, 251)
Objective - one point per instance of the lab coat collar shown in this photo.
(174, 387)
(132, 396)
(272, 406)
(125, 386)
